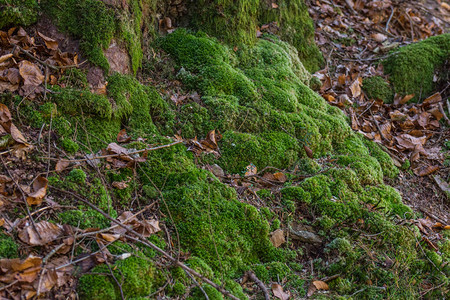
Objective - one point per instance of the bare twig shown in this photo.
(259, 283)
(389, 20)
(141, 239)
(24, 197)
(199, 285)
(120, 154)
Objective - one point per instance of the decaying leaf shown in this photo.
(61, 165)
(50, 43)
(123, 137)
(120, 185)
(39, 191)
(355, 87)
(425, 170)
(308, 151)
(108, 237)
(406, 99)
(250, 170)
(278, 292)
(435, 98)
(30, 73)
(277, 238)
(46, 233)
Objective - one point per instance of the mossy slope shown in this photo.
(411, 70)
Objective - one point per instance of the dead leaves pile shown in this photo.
(10, 135)
(53, 270)
(27, 62)
(407, 131)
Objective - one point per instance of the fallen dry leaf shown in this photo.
(425, 170)
(50, 43)
(406, 99)
(46, 233)
(61, 165)
(355, 87)
(277, 238)
(250, 170)
(39, 191)
(120, 185)
(308, 151)
(123, 137)
(108, 237)
(30, 73)
(435, 98)
(278, 292)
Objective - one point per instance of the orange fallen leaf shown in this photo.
(61, 165)
(46, 233)
(321, 285)
(406, 99)
(425, 170)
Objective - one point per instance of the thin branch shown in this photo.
(141, 239)
(24, 197)
(259, 283)
(120, 154)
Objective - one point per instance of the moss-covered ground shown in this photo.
(258, 96)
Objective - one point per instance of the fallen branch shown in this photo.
(118, 154)
(141, 239)
(259, 283)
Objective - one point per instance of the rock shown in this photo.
(305, 236)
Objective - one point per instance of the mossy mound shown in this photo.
(139, 278)
(411, 70)
(377, 88)
(18, 12)
(236, 23)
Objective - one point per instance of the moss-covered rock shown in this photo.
(411, 70)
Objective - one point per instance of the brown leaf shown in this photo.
(435, 98)
(406, 99)
(5, 57)
(30, 72)
(279, 176)
(308, 151)
(61, 165)
(116, 149)
(17, 135)
(274, 5)
(320, 285)
(108, 237)
(379, 37)
(120, 185)
(278, 292)
(5, 115)
(39, 191)
(148, 227)
(425, 170)
(123, 137)
(277, 238)
(47, 232)
(355, 87)
(50, 43)
(436, 112)
(251, 170)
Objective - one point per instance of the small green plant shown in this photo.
(77, 176)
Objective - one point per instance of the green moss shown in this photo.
(236, 23)
(411, 70)
(377, 88)
(8, 248)
(140, 278)
(84, 218)
(69, 145)
(77, 176)
(89, 20)
(296, 27)
(18, 12)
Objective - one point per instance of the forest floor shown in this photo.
(353, 38)
(355, 55)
